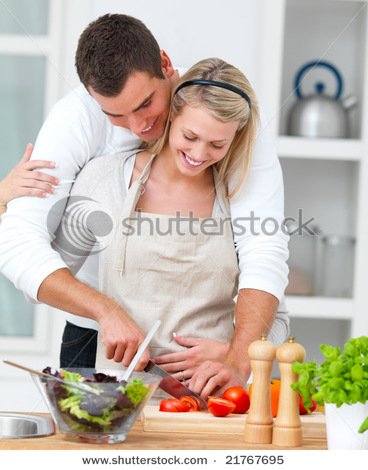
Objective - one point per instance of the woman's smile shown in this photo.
(190, 162)
(198, 140)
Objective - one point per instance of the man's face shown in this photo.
(142, 106)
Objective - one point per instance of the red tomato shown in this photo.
(303, 410)
(219, 406)
(166, 405)
(239, 396)
(173, 405)
(192, 402)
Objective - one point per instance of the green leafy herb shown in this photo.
(364, 425)
(342, 378)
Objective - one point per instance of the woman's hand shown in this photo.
(24, 181)
(183, 364)
(213, 378)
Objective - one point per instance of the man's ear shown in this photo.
(166, 64)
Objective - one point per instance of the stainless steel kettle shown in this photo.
(320, 115)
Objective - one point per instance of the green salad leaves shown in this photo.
(342, 378)
(101, 411)
(135, 391)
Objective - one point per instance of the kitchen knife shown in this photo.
(171, 385)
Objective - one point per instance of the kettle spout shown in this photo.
(349, 102)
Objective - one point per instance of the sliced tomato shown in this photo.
(168, 406)
(173, 405)
(219, 406)
(239, 396)
(181, 406)
(192, 402)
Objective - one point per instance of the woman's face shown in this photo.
(198, 140)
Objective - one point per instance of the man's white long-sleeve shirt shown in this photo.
(77, 131)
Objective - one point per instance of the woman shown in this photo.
(171, 253)
(24, 181)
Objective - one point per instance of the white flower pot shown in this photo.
(342, 426)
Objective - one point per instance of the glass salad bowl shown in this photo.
(102, 409)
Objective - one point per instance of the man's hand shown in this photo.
(120, 334)
(122, 338)
(213, 378)
(24, 181)
(183, 364)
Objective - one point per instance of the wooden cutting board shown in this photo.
(204, 422)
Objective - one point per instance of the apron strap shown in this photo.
(131, 200)
(221, 192)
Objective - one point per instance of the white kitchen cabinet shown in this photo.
(29, 85)
(326, 178)
(30, 56)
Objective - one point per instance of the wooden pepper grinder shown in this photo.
(258, 426)
(287, 431)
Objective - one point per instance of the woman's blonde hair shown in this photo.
(225, 105)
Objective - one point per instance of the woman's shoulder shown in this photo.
(141, 160)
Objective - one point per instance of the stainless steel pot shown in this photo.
(320, 115)
(21, 425)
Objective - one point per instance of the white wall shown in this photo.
(188, 31)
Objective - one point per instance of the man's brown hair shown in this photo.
(111, 48)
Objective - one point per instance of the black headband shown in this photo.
(227, 86)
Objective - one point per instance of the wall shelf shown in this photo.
(320, 307)
(321, 149)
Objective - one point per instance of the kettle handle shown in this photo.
(313, 64)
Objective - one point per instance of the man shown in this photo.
(125, 99)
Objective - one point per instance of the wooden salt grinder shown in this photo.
(258, 426)
(287, 430)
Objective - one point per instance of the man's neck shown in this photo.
(174, 79)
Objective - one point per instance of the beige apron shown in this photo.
(180, 270)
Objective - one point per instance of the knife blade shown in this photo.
(171, 385)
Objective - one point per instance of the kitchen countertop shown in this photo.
(314, 437)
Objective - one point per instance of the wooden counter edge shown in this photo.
(140, 440)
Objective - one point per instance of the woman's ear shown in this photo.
(166, 64)
(171, 117)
